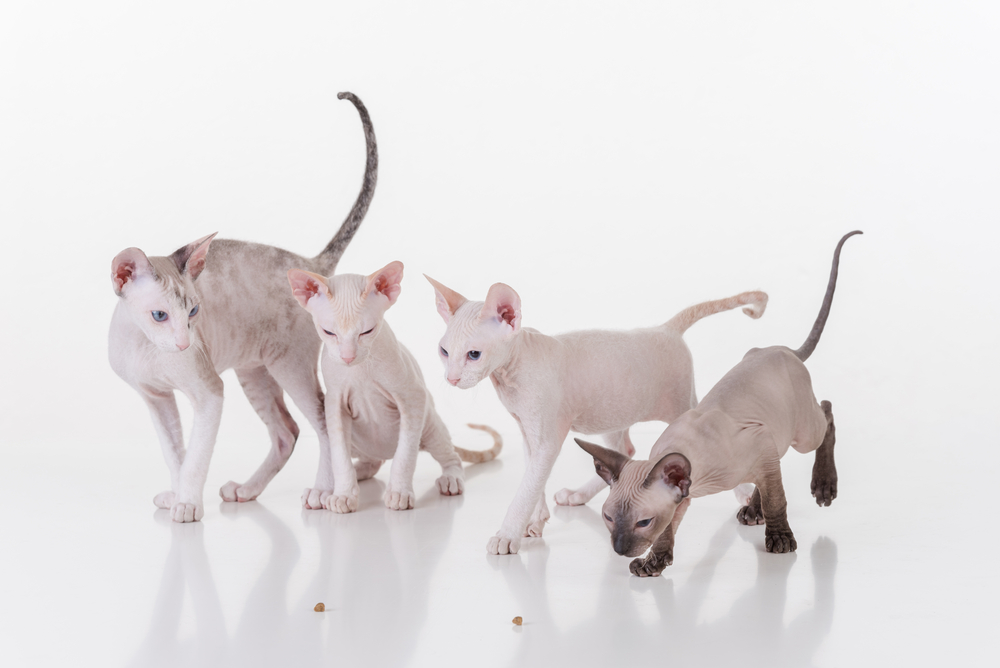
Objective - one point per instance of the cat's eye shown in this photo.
(159, 316)
(608, 518)
(330, 333)
(643, 523)
(444, 352)
(193, 312)
(368, 332)
(474, 355)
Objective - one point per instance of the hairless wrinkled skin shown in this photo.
(736, 435)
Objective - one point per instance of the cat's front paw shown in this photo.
(824, 488)
(534, 529)
(399, 499)
(186, 512)
(450, 485)
(234, 491)
(750, 516)
(315, 499)
(651, 565)
(342, 503)
(779, 542)
(164, 500)
(570, 497)
(503, 545)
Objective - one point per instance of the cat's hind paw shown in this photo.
(779, 542)
(341, 503)
(503, 545)
(535, 529)
(314, 499)
(164, 500)
(570, 497)
(451, 485)
(396, 499)
(750, 516)
(186, 512)
(234, 491)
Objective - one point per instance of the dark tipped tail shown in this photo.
(809, 346)
(331, 254)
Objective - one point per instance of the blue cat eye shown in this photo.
(159, 316)
(644, 523)
(444, 352)
(193, 312)
(474, 355)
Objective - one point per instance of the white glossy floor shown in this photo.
(612, 162)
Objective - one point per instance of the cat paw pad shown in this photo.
(341, 503)
(164, 500)
(450, 485)
(315, 499)
(570, 497)
(503, 545)
(186, 512)
(234, 491)
(651, 566)
(399, 499)
(780, 542)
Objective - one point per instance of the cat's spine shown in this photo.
(480, 456)
(754, 302)
(330, 255)
(809, 346)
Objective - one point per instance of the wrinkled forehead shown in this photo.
(349, 303)
(629, 485)
(468, 326)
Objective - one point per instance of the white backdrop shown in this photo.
(613, 162)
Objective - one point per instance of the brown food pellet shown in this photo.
(320, 607)
(517, 620)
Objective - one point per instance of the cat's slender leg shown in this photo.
(616, 440)
(268, 400)
(295, 372)
(399, 493)
(539, 516)
(345, 479)
(437, 441)
(167, 422)
(778, 535)
(542, 447)
(824, 474)
(206, 398)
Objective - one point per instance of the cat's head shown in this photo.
(644, 495)
(347, 309)
(159, 293)
(479, 334)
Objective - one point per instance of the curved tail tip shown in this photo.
(757, 308)
(345, 94)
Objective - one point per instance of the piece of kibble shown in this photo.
(517, 621)
(320, 607)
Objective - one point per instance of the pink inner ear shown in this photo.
(123, 274)
(506, 313)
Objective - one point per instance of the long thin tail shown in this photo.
(480, 456)
(809, 346)
(755, 302)
(331, 254)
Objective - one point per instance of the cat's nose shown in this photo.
(347, 360)
(454, 381)
(183, 346)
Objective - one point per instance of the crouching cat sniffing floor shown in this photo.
(210, 306)
(377, 405)
(593, 382)
(735, 436)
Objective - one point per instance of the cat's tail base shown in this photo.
(480, 456)
(754, 303)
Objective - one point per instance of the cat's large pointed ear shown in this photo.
(386, 281)
(504, 304)
(608, 462)
(673, 470)
(448, 301)
(306, 285)
(190, 259)
(127, 266)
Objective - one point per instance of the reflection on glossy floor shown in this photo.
(114, 582)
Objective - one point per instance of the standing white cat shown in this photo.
(377, 404)
(182, 320)
(591, 382)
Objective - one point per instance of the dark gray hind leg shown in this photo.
(752, 514)
(824, 478)
(777, 534)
